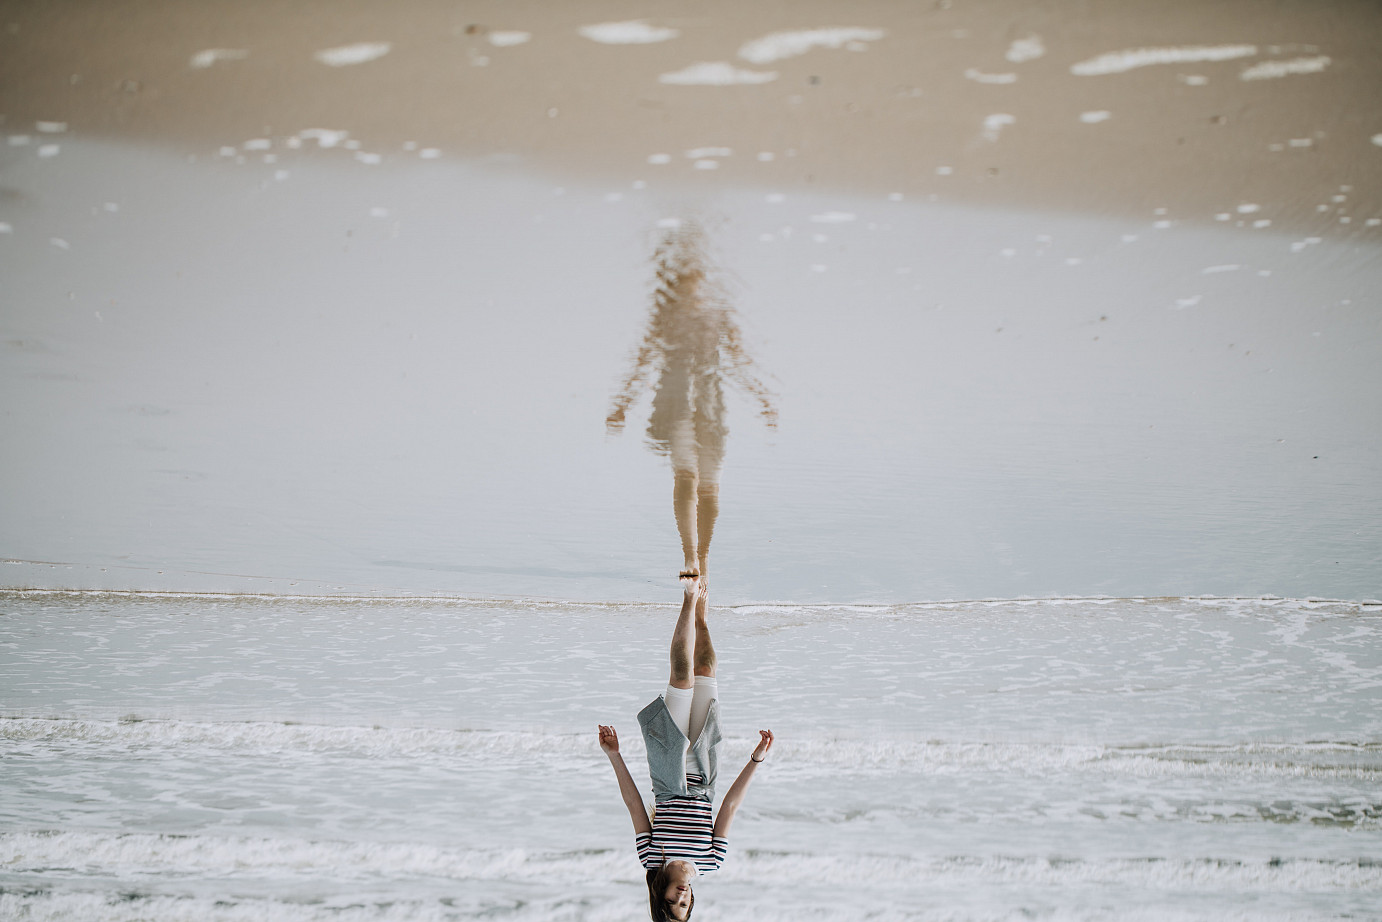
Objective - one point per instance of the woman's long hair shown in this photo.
(658, 879)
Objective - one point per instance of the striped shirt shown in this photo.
(683, 829)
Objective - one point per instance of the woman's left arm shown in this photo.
(735, 796)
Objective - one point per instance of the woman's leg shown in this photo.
(684, 505)
(685, 476)
(685, 643)
(707, 511)
(705, 688)
(710, 452)
(705, 650)
(680, 696)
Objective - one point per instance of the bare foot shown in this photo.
(693, 585)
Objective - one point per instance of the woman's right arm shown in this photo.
(609, 742)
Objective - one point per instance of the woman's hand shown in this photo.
(735, 796)
(765, 743)
(609, 740)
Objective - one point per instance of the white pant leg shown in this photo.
(679, 702)
(705, 691)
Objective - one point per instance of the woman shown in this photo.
(682, 731)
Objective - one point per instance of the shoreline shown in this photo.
(230, 596)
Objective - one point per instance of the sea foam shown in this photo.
(1117, 62)
(359, 53)
(1026, 49)
(629, 32)
(140, 856)
(208, 57)
(1269, 70)
(506, 39)
(779, 45)
(716, 73)
(810, 755)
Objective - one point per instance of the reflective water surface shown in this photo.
(394, 378)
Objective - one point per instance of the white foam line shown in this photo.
(1117, 62)
(1352, 606)
(359, 53)
(141, 854)
(716, 73)
(1312, 759)
(1155, 874)
(778, 45)
(267, 737)
(124, 855)
(627, 32)
(1270, 70)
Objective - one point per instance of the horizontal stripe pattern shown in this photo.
(683, 829)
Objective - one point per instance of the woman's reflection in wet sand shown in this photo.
(694, 347)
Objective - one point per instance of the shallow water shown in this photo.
(184, 757)
(320, 375)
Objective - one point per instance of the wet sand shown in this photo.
(992, 103)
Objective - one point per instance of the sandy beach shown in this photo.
(1120, 109)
